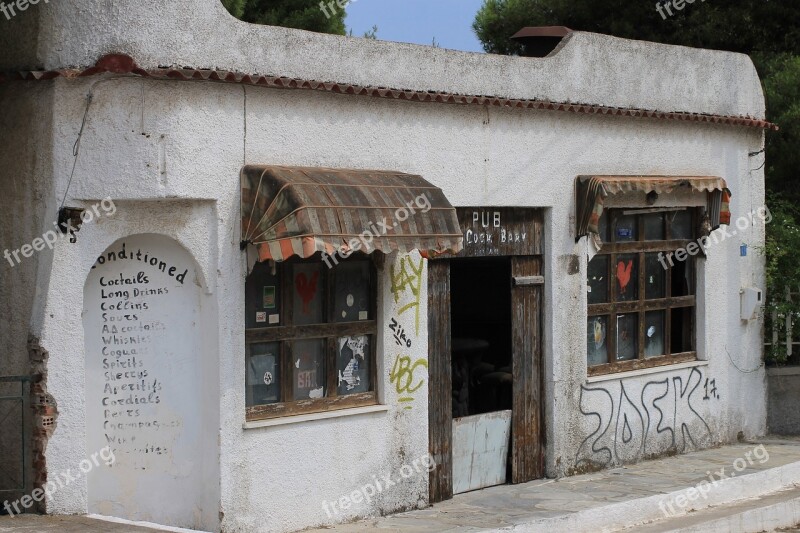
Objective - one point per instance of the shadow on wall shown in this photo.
(631, 422)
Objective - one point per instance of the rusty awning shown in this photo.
(591, 192)
(289, 211)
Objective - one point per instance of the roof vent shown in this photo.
(539, 41)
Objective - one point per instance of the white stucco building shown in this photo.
(261, 397)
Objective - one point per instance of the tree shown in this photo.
(781, 77)
(300, 14)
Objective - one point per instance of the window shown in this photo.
(641, 295)
(310, 337)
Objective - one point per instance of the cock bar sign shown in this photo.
(500, 231)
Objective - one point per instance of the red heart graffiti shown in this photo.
(306, 289)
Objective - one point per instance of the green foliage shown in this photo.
(300, 14)
(783, 273)
(781, 78)
(371, 34)
(235, 7)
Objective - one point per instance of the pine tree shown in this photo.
(300, 14)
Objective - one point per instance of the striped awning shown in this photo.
(591, 192)
(288, 211)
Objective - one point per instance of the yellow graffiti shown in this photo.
(408, 277)
(402, 376)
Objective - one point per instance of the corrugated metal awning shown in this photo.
(289, 211)
(591, 192)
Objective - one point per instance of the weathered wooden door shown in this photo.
(527, 445)
(440, 403)
(527, 458)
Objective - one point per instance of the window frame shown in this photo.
(641, 305)
(287, 333)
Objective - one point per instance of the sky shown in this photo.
(418, 21)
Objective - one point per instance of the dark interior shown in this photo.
(481, 335)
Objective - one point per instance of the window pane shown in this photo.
(655, 276)
(307, 291)
(263, 373)
(681, 330)
(598, 280)
(683, 277)
(308, 366)
(597, 349)
(680, 224)
(653, 226)
(353, 364)
(627, 337)
(352, 292)
(654, 333)
(262, 298)
(625, 228)
(626, 274)
(602, 225)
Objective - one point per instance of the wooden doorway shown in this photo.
(513, 237)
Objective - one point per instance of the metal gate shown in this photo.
(15, 416)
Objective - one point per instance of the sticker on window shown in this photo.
(269, 297)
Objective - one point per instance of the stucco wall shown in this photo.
(29, 200)
(169, 153)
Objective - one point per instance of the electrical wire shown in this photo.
(76, 148)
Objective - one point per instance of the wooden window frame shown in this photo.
(330, 332)
(640, 306)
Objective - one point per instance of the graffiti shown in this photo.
(627, 427)
(711, 390)
(408, 277)
(399, 334)
(402, 376)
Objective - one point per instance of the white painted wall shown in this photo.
(169, 153)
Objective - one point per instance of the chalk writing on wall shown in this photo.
(146, 380)
(631, 423)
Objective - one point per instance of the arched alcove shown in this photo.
(149, 371)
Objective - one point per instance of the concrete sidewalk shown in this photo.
(66, 524)
(617, 499)
(759, 497)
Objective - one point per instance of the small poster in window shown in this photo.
(261, 317)
(269, 297)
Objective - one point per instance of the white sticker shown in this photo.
(350, 300)
(363, 315)
(274, 319)
(261, 317)
(268, 378)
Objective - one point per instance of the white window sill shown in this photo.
(645, 371)
(283, 421)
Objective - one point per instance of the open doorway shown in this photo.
(485, 353)
(482, 379)
(480, 315)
